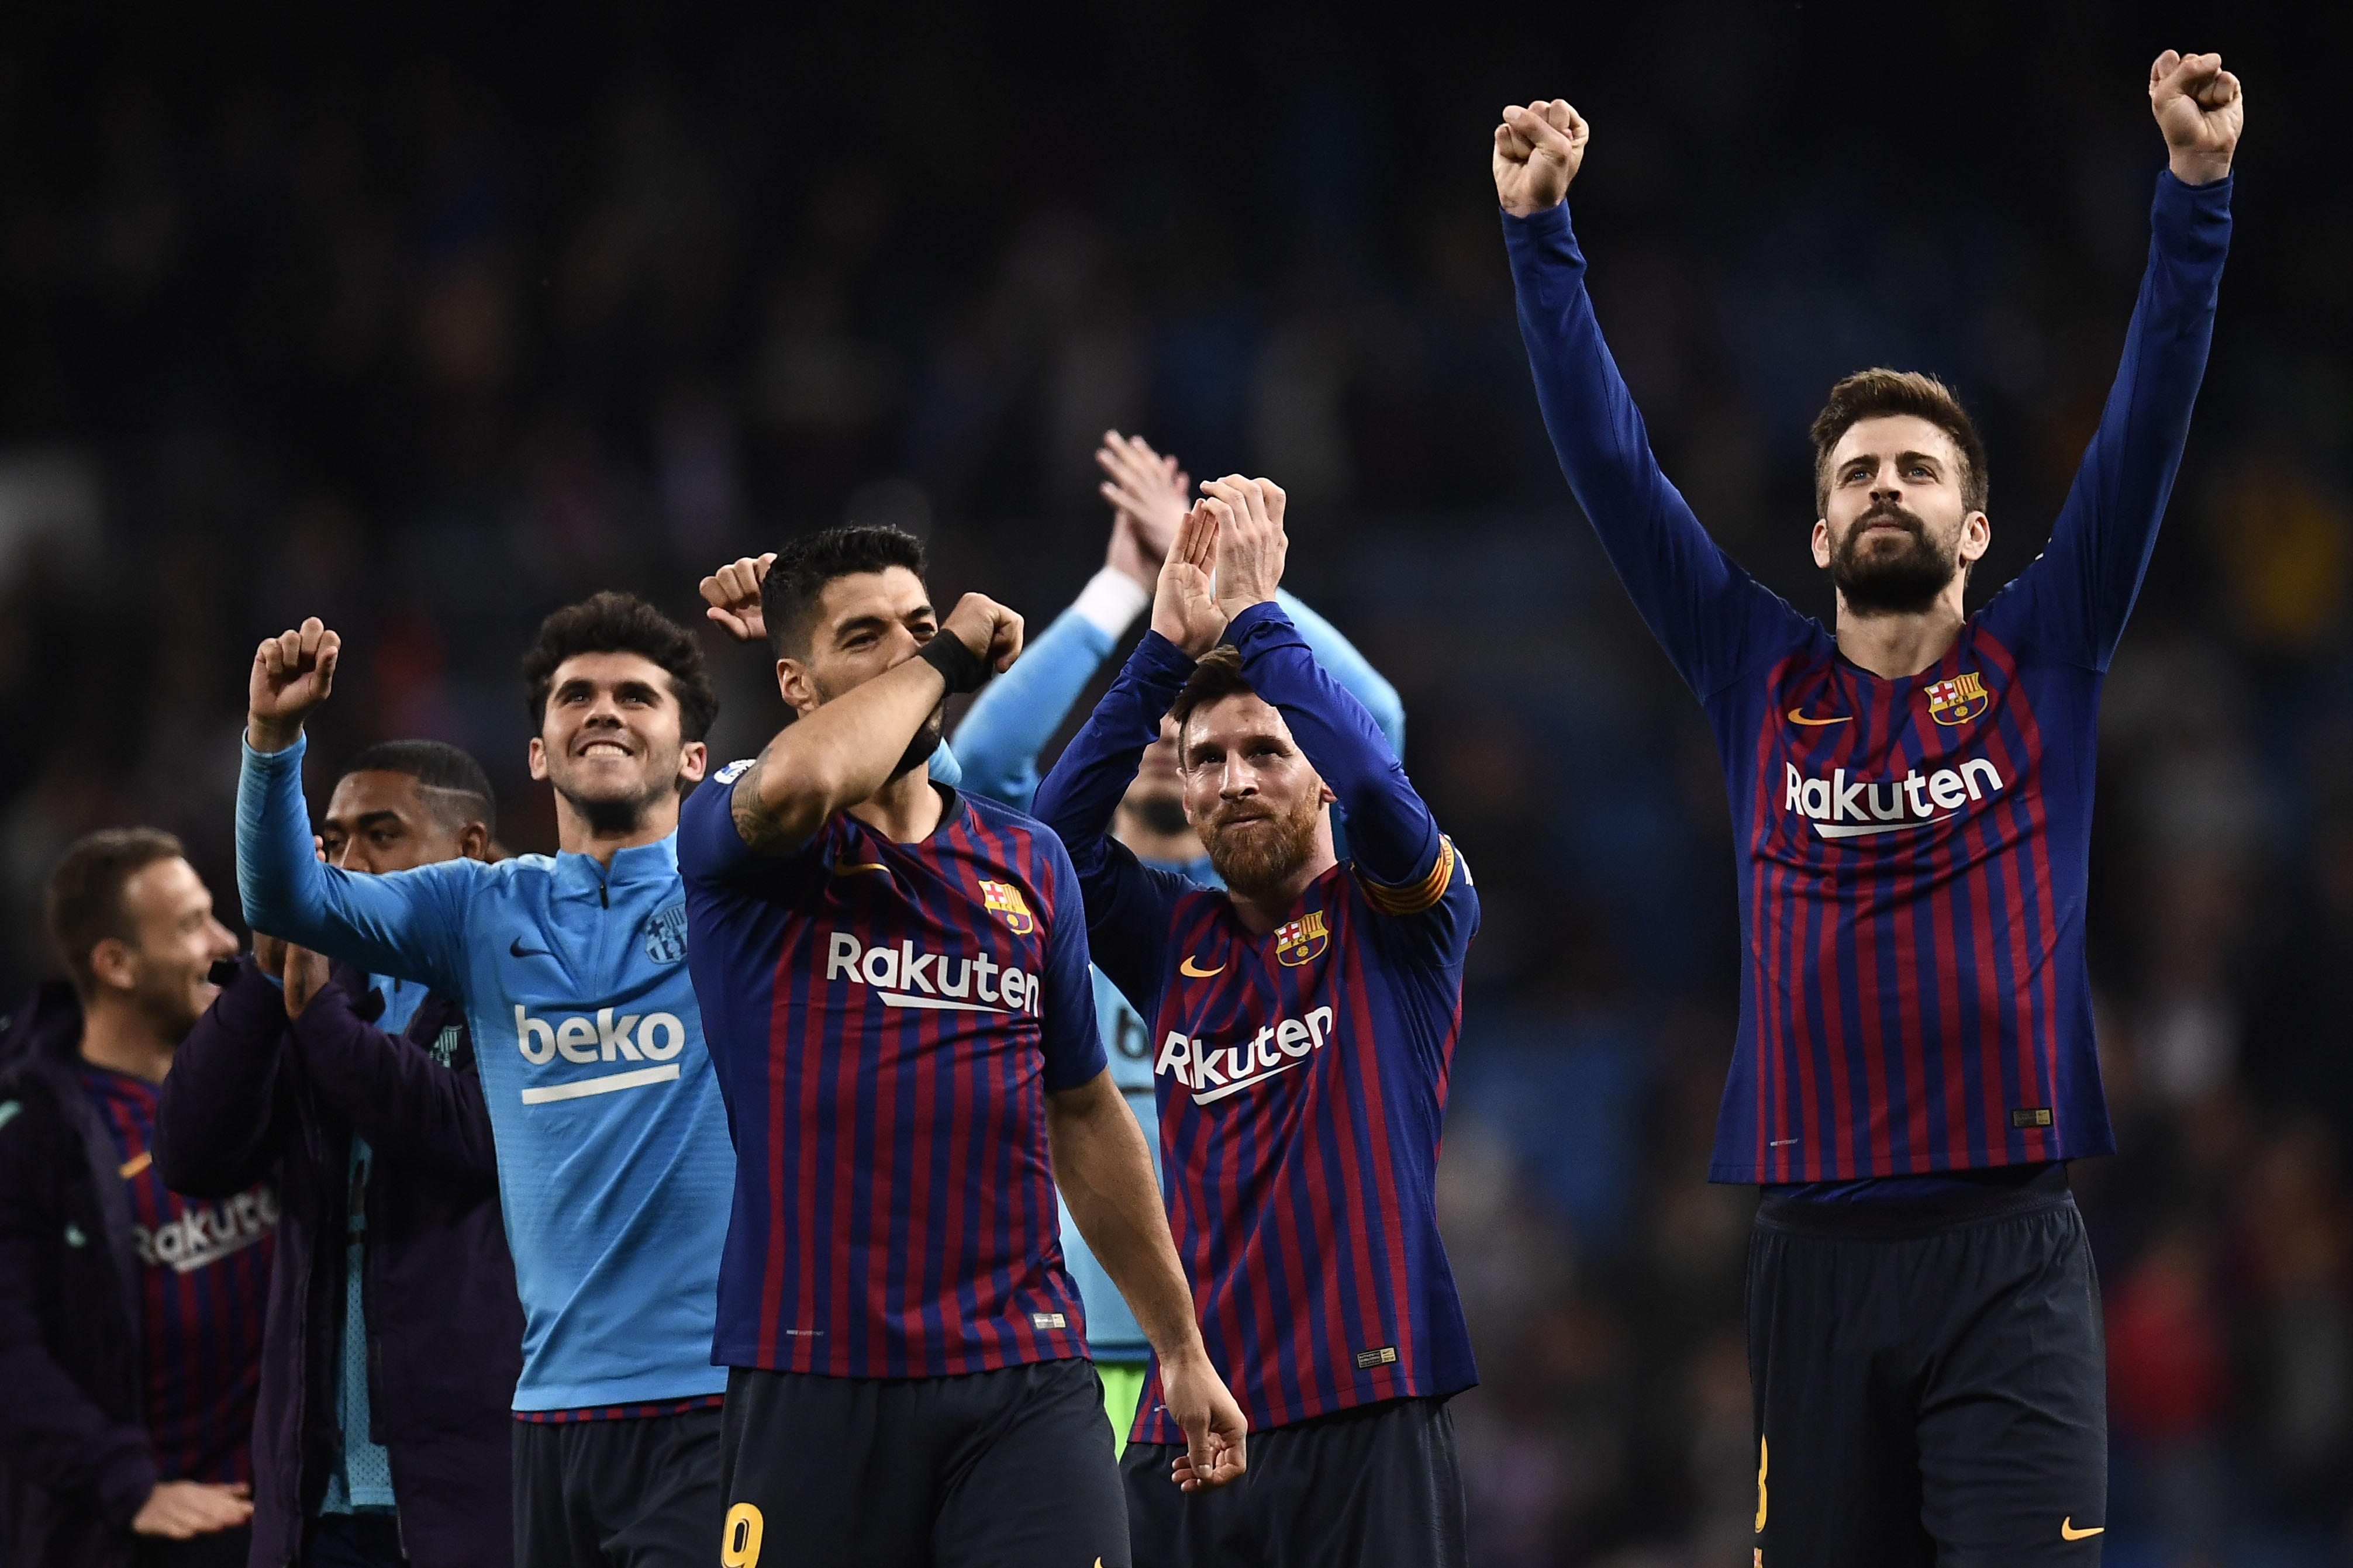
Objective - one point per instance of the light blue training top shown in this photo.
(615, 1166)
(996, 746)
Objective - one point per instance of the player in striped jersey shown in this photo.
(893, 983)
(1914, 1062)
(1302, 1023)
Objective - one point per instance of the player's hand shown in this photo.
(1185, 599)
(1216, 1433)
(1537, 151)
(268, 953)
(181, 1511)
(293, 673)
(1251, 542)
(734, 595)
(1148, 494)
(988, 628)
(2200, 108)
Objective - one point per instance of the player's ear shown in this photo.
(474, 842)
(538, 758)
(1822, 541)
(113, 963)
(798, 687)
(693, 761)
(1977, 536)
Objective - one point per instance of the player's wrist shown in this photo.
(2195, 169)
(959, 666)
(271, 735)
(1112, 600)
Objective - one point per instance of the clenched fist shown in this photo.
(988, 628)
(1537, 152)
(293, 673)
(733, 594)
(2200, 108)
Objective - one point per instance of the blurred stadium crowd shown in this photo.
(428, 342)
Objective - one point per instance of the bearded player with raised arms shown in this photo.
(1913, 790)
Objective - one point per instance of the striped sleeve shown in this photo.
(1415, 896)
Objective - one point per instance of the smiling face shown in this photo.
(175, 941)
(1895, 531)
(1250, 794)
(864, 623)
(609, 739)
(380, 821)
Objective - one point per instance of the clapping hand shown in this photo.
(1148, 492)
(1184, 600)
(1252, 545)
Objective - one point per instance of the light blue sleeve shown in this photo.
(943, 768)
(1016, 713)
(410, 924)
(1349, 669)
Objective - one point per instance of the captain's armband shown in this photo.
(1416, 897)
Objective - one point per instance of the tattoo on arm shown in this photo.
(753, 823)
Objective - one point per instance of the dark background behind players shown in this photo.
(439, 328)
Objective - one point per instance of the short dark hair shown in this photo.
(1877, 392)
(1217, 677)
(84, 901)
(440, 766)
(622, 623)
(796, 578)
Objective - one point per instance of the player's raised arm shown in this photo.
(2080, 593)
(1700, 606)
(405, 923)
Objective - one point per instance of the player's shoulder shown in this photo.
(1022, 833)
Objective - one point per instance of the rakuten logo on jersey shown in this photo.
(657, 1037)
(904, 977)
(1215, 1074)
(204, 1234)
(1857, 808)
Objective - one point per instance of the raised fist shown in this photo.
(1252, 546)
(1537, 151)
(734, 595)
(293, 673)
(988, 628)
(1185, 599)
(2198, 107)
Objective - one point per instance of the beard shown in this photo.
(614, 816)
(1160, 811)
(1257, 862)
(169, 1003)
(927, 741)
(1904, 583)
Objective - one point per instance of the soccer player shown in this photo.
(894, 978)
(1304, 1020)
(614, 1166)
(130, 1318)
(393, 1337)
(1914, 791)
(996, 746)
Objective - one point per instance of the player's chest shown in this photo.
(1854, 766)
(939, 935)
(1252, 1025)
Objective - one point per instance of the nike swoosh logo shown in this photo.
(857, 867)
(1798, 718)
(1194, 970)
(136, 1164)
(516, 948)
(2067, 1530)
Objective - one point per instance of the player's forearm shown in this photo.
(391, 1091)
(833, 757)
(1348, 666)
(1014, 715)
(1104, 1171)
(279, 878)
(1391, 832)
(1078, 797)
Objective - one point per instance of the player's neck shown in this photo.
(1897, 646)
(579, 832)
(906, 810)
(117, 1035)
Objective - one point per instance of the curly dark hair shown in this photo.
(622, 623)
(789, 594)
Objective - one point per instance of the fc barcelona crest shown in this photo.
(1959, 699)
(1301, 940)
(1005, 899)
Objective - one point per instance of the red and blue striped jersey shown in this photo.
(886, 1020)
(1300, 1074)
(204, 1288)
(1913, 854)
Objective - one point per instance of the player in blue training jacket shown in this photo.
(893, 976)
(614, 1164)
(1913, 795)
(1304, 1018)
(1019, 712)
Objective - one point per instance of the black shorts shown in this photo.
(638, 1492)
(1929, 1380)
(1009, 1468)
(1377, 1485)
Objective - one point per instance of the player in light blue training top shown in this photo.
(997, 746)
(615, 1166)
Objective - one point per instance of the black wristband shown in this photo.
(962, 669)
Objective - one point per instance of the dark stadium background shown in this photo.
(429, 324)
